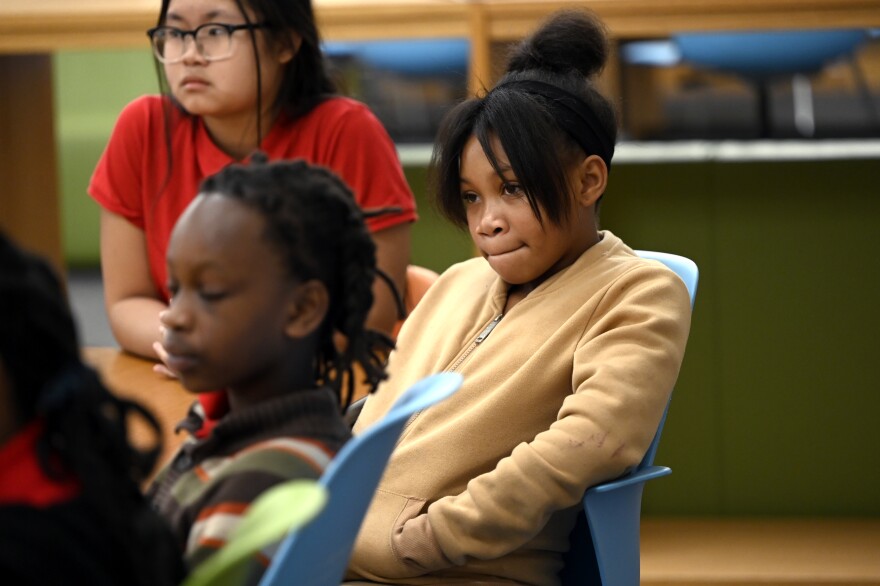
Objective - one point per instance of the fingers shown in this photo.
(162, 367)
(163, 370)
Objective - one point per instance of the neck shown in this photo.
(238, 137)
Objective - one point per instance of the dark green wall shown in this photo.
(777, 403)
(776, 407)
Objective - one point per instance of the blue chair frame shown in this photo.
(605, 542)
(760, 56)
(318, 554)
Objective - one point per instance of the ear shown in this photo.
(592, 177)
(288, 50)
(307, 308)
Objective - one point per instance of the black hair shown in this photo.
(84, 434)
(306, 81)
(568, 52)
(314, 223)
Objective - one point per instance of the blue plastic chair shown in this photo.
(762, 56)
(409, 83)
(318, 554)
(605, 542)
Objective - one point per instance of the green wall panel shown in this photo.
(797, 289)
(670, 208)
(774, 410)
(91, 88)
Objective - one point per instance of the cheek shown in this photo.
(525, 224)
(473, 219)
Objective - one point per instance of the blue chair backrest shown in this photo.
(767, 53)
(318, 554)
(440, 56)
(687, 270)
(604, 544)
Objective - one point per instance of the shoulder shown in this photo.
(144, 117)
(279, 457)
(340, 106)
(342, 114)
(144, 107)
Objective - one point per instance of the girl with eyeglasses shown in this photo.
(236, 76)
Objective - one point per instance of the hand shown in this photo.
(162, 368)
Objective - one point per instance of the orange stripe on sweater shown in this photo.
(223, 508)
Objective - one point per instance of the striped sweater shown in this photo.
(208, 485)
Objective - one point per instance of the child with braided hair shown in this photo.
(71, 510)
(267, 266)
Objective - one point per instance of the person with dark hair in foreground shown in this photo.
(71, 510)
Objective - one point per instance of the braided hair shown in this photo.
(84, 426)
(313, 221)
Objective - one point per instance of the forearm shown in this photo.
(135, 324)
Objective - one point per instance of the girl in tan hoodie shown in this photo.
(568, 342)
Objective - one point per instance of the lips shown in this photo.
(193, 82)
(491, 253)
(180, 363)
(180, 359)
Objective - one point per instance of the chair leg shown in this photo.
(802, 94)
(765, 123)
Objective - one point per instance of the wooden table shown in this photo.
(133, 378)
(31, 30)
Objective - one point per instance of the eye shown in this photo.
(469, 197)
(211, 295)
(512, 188)
(214, 30)
(170, 33)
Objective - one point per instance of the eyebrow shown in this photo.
(207, 17)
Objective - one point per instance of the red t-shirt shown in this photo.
(340, 133)
(23, 481)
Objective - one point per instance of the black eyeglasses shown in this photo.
(213, 40)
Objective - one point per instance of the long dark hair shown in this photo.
(313, 220)
(305, 83)
(567, 52)
(84, 433)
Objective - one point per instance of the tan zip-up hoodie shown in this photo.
(563, 392)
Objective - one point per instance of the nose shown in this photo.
(492, 221)
(192, 53)
(177, 317)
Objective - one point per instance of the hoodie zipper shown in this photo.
(477, 341)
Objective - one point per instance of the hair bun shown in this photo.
(569, 40)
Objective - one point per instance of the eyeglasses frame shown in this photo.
(230, 28)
